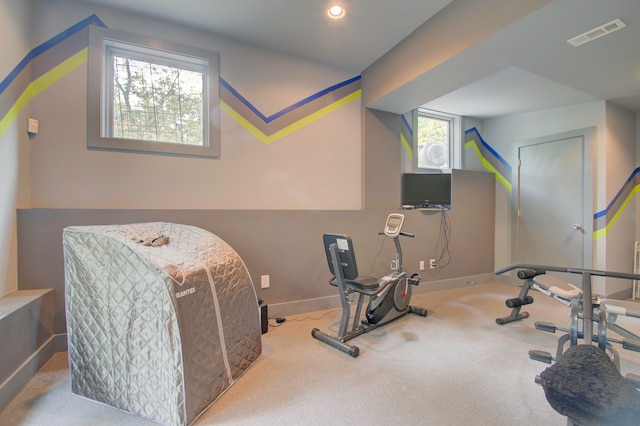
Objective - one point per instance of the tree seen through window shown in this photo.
(157, 102)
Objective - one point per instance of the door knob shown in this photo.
(577, 226)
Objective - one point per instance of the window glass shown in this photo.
(152, 96)
(156, 102)
(434, 141)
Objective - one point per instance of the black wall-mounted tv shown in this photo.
(422, 190)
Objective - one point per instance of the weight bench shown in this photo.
(554, 287)
(585, 383)
(558, 289)
(585, 308)
(605, 313)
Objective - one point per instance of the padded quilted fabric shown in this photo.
(157, 330)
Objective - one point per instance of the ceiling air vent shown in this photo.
(598, 32)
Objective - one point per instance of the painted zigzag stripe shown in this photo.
(274, 127)
(490, 159)
(605, 219)
(42, 67)
(57, 57)
(406, 134)
(44, 47)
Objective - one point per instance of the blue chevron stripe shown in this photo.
(290, 108)
(38, 50)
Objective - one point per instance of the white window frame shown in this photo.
(455, 139)
(102, 41)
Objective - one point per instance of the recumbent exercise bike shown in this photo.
(389, 297)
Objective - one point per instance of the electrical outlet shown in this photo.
(264, 281)
(422, 265)
(32, 126)
(432, 264)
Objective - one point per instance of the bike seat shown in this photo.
(365, 283)
(586, 386)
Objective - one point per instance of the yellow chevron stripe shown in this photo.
(40, 84)
(267, 139)
(600, 233)
(314, 117)
(603, 231)
(241, 120)
(406, 145)
(487, 165)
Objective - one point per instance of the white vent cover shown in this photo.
(598, 32)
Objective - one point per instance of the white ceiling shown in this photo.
(544, 71)
(538, 68)
(299, 27)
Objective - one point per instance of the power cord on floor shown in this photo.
(313, 318)
(281, 320)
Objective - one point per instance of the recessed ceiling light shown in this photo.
(336, 12)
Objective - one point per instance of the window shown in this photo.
(160, 99)
(436, 138)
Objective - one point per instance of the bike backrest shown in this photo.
(346, 255)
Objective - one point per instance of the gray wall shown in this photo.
(26, 327)
(287, 244)
(431, 61)
(381, 164)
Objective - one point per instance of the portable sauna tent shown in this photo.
(162, 318)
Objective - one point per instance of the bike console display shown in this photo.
(394, 225)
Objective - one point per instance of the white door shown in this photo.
(552, 193)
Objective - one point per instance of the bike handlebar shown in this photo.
(404, 234)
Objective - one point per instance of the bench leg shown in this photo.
(517, 303)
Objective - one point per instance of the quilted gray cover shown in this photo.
(159, 331)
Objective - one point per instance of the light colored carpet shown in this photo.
(454, 367)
